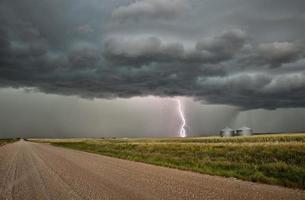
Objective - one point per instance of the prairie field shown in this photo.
(272, 159)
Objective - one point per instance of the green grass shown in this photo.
(6, 141)
(274, 159)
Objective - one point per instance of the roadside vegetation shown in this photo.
(6, 141)
(271, 159)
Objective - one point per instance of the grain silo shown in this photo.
(243, 131)
(226, 132)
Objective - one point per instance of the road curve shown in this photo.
(41, 171)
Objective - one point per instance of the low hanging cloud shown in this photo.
(255, 90)
(277, 53)
(150, 9)
(214, 49)
(84, 58)
(224, 46)
(293, 83)
(136, 52)
(223, 65)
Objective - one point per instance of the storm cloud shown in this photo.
(198, 49)
(214, 49)
(278, 53)
(150, 9)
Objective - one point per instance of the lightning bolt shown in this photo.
(182, 131)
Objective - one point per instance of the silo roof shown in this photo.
(244, 128)
(227, 129)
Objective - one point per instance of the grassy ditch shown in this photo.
(6, 141)
(276, 159)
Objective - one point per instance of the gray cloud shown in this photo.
(83, 51)
(213, 49)
(290, 83)
(256, 90)
(84, 58)
(277, 53)
(150, 9)
(224, 46)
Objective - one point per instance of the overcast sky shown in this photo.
(113, 68)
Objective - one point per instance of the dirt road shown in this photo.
(41, 171)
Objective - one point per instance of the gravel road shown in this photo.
(41, 171)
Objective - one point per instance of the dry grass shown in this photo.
(6, 141)
(272, 159)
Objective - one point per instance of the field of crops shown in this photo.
(271, 159)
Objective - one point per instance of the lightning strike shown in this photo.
(182, 131)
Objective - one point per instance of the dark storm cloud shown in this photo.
(84, 58)
(266, 91)
(141, 51)
(222, 47)
(277, 53)
(214, 49)
(92, 49)
(150, 9)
